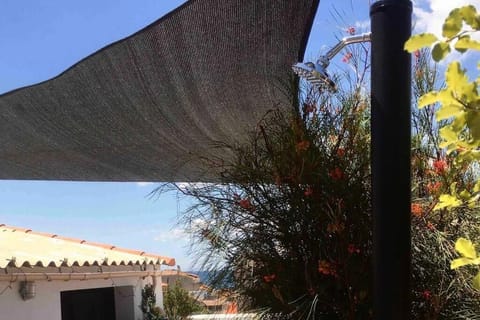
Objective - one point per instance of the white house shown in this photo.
(49, 277)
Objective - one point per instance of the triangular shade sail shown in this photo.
(149, 107)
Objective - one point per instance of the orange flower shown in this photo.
(416, 209)
(440, 166)
(302, 146)
(310, 108)
(336, 174)
(434, 187)
(326, 268)
(346, 58)
(269, 278)
(352, 249)
(308, 191)
(336, 227)
(278, 180)
(246, 204)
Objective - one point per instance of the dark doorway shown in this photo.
(90, 304)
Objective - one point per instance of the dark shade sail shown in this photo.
(152, 106)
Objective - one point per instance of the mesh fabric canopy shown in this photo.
(151, 106)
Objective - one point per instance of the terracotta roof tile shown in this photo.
(24, 247)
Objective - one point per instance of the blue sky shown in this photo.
(40, 39)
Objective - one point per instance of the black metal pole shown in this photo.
(391, 99)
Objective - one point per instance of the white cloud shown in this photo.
(430, 14)
(193, 185)
(362, 26)
(174, 234)
(144, 184)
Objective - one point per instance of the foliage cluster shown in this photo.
(149, 304)
(292, 218)
(178, 304)
(291, 221)
(438, 292)
(459, 108)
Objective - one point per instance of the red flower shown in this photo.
(302, 146)
(308, 191)
(278, 180)
(440, 166)
(353, 249)
(309, 108)
(340, 152)
(346, 58)
(351, 30)
(416, 209)
(246, 204)
(336, 174)
(269, 277)
(417, 54)
(426, 294)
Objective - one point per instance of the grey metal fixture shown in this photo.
(27, 290)
(316, 73)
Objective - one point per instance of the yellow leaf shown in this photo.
(467, 43)
(419, 41)
(448, 110)
(440, 51)
(466, 248)
(448, 134)
(476, 188)
(428, 99)
(456, 77)
(452, 24)
(447, 201)
(460, 262)
(476, 281)
(469, 15)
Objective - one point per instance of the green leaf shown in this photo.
(419, 41)
(452, 24)
(466, 248)
(440, 50)
(460, 262)
(476, 281)
(465, 43)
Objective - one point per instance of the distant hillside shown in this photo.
(206, 278)
(203, 275)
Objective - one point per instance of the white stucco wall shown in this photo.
(46, 304)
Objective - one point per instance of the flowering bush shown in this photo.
(290, 223)
(438, 292)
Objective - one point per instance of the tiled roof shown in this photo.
(21, 247)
